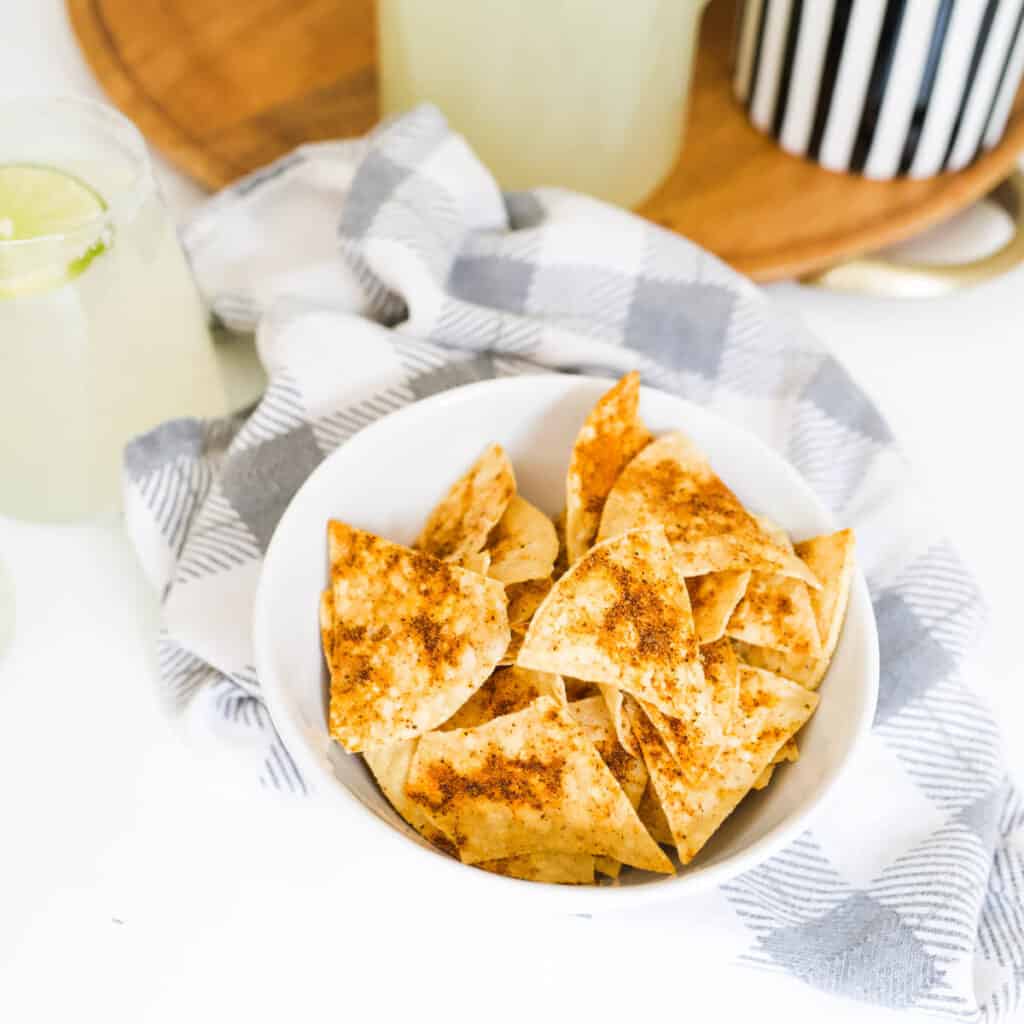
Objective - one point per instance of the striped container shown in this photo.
(881, 88)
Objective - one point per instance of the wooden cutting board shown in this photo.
(224, 86)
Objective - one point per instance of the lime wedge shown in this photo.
(57, 218)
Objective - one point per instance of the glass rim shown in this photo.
(127, 133)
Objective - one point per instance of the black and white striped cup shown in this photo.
(881, 87)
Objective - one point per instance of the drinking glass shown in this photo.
(102, 332)
(589, 96)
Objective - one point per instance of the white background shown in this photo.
(136, 886)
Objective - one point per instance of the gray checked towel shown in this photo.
(379, 271)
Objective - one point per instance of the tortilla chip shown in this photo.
(524, 783)
(776, 612)
(789, 752)
(687, 745)
(478, 563)
(629, 771)
(714, 598)
(621, 616)
(721, 670)
(802, 670)
(694, 752)
(471, 509)
(327, 625)
(560, 868)
(613, 698)
(773, 710)
(832, 559)
(579, 689)
(523, 546)
(593, 718)
(562, 558)
(412, 638)
(653, 817)
(609, 438)
(517, 634)
(776, 532)
(507, 691)
(390, 767)
(525, 598)
(672, 484)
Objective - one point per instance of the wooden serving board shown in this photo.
(224, 86)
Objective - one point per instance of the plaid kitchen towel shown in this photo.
(380, 271)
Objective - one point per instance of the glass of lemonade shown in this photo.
(102, 332)
(586, 95)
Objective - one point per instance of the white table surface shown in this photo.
(135, 888)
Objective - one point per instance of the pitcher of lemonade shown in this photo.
(102, 333)
(586, 95)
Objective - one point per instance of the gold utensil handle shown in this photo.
(911, 279)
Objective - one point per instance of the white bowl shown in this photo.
(388, 477)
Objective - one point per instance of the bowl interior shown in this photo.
(386, 480)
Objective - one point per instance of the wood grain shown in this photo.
(224, 86)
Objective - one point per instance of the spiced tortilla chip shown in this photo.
(800, 669)
(613, 698)
(773, 709)
(653, 817)
(579, 689)
(390, 767)
(609, 438)
(671, 483)
(776, 612)
(507, 691)
(832, 558)
(693, 750)
(459, 526)
(714, 597)
(721, 670)
(562, 559)
(788, 752)
(516, 636)
(479, 562)
(412, 638)
(693, 754)
(560, 868)
(776, 532)
(525, 598)
(629, 771)
(523, 546)
(621, 616)
(524, 783)
(327, 625)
